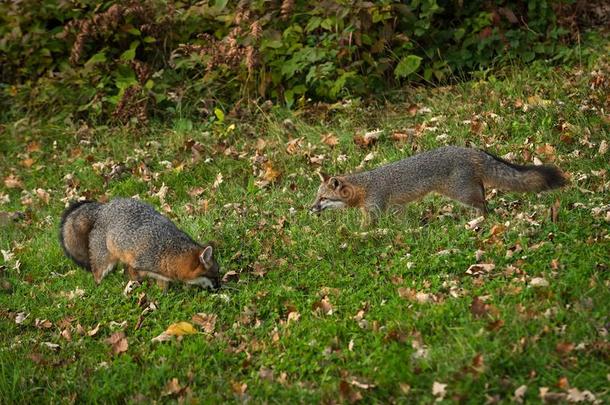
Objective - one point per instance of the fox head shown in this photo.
(198, 268)
(336, 192)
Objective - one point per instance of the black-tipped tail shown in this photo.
(553, 177)
(510, 176)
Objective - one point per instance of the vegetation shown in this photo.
(123, 61)
(431, 305)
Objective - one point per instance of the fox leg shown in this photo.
(102, 261)
(371, 211)
(163, 285)
(472, 194)
(134, 275)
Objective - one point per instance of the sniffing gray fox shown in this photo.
(97, 236)
(458, 173)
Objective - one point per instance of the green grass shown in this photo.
(396, 342)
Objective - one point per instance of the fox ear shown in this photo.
(206, 256)
(334, 183)
(323, 177)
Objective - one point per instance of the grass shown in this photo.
(380, 342)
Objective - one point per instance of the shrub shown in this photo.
(125, 60)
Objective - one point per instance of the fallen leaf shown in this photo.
(474, 224)
(551, 397)
(575, 395)
(293, 316)
(66, 334)
(265, 373)
(495, 326)
(180, 329)
(175, 329)
(330, 139)
(94, 331)
(400, 137)
(42, 324)
(43, 195)
(439, 390)
(347, 393)
(479, 308)
(520, 393)
(360, 384)
(404, 388)
(12, 181)
(564, 348)
(480, 269)
(118, 342)
(206, 321)
(368, 138)
(239, 388)
(218, 181)
(21, 316)
(172, 388)
(563, 383)
(539, 282)
(52, 346)
(603, 147)
(323, 306)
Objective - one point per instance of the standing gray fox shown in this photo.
(458, 173)
(97, 236)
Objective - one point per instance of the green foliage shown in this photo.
(125, 60)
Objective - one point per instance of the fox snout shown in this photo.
(211, 283)
(316, 207)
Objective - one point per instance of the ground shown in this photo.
(433, 303)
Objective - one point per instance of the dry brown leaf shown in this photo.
(12, 181)
(564, 348)
(520, 393)
(206, 321)
(400, 137)
(265, 373)
(480, 269)
(118, 343)
(495, 326)
(172, 388)
(551, 397)
(94, 331)
(239, 388)
(347, 393)
(563, 383)
(539, 282)
(330, 139)
(43, 324)
(439, 390)
(293, 316)
(368, 139)
(66, 334)
(479, 308)
(323, 306)
(33, 146)
(270, 174)
(293, 146)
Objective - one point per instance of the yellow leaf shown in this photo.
(180, 328)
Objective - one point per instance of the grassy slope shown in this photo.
(401, 347)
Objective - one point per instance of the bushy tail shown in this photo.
(505, 175)
(76, 223)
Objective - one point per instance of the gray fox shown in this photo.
(97, 236)
(458, 173)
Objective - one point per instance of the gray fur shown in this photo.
(457, 172)
(146, 228)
